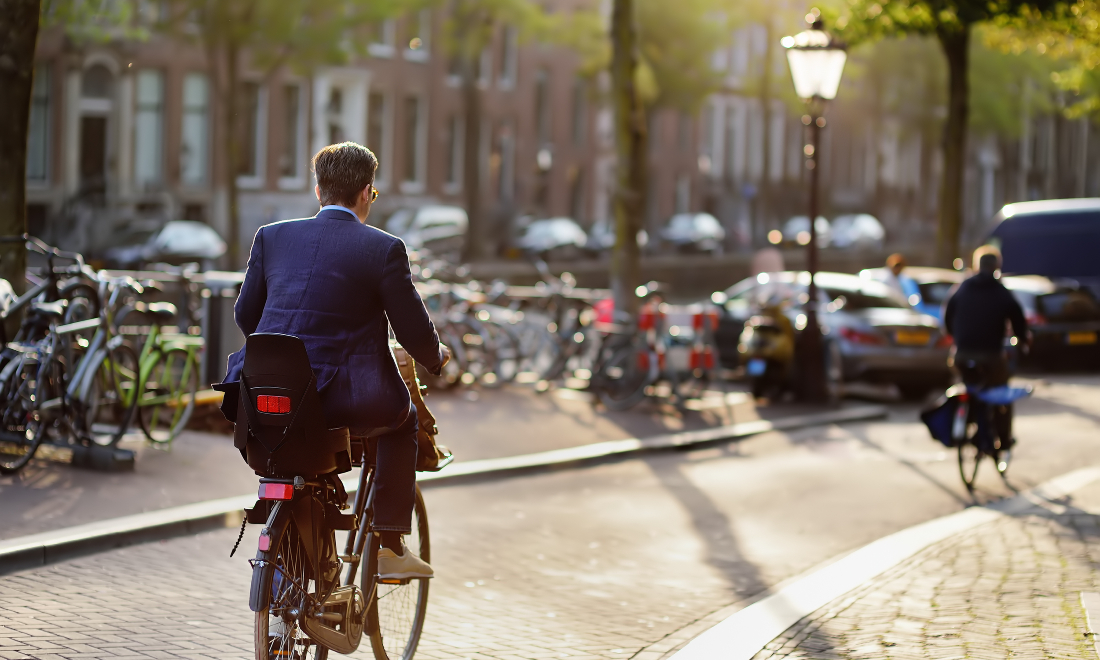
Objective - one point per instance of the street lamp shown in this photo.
(817, 62)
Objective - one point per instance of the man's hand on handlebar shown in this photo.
(446, 353)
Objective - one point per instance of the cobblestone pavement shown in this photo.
(1008, 589)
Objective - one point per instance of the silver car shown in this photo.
(872, 331)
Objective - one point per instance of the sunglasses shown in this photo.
(373, 193)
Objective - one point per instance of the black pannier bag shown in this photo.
(280, 425)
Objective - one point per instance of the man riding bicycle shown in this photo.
(975, 316)
(339, 284)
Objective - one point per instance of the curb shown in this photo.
(50, 547)
(741, 634)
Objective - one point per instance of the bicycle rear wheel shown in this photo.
(396, 611)
(167, 396)
(277, 633)
(622, 380)
(970, 457)
(109, 402)
(23, 426)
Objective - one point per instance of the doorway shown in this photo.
(93, 154)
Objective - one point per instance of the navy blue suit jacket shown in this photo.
(334, 283)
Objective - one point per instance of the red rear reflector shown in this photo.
(265, 542)
(276, 491)
(273, 404)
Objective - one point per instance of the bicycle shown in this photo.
(303, 593)
(167, 375)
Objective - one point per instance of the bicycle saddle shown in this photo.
(49, 309)
(161, 312)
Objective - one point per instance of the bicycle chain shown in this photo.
(241, 535)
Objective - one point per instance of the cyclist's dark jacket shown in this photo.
(976, 313)
(336, 284)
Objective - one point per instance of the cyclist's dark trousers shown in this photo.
(990, 370)
(396, 480)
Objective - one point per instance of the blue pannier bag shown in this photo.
(939, 419)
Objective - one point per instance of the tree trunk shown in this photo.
(230, 97)
(18, 37)
(956, 47)
(630, 151)
(474, 248)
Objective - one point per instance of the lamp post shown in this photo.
(817, 63)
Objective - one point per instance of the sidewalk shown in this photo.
(1008, 588)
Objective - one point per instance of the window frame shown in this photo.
(190, 111)
(298, 180)
(41, 99)
(256, 179)
(418, 132)
(149, 175)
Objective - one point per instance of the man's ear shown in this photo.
(317, 192)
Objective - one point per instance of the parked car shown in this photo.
(1064, 319)
(859, 231)
(694, 232)
(175, 242)
(869, 329)
(796, 231)
(554, 238)
(931, 286)
(601, 237)
(1056, 238)
(440, 229)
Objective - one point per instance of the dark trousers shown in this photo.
(395, 477)
(988, 370)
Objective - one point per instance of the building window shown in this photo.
(542, 106)
(376, 132)
(576, 194)
(683, 194)
(290, 165)
(509, 57)
(419, 36)
(485, 67)
(38, 131)
(507, 178)
(249, 128)
(382, 37)
(413, 116)
(194, 138)
(334, 111)
(149, 127)
(455, 139)
(580, 113)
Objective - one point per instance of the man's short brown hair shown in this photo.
(987, 258)
(343, 171)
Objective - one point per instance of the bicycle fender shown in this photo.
(263, 568)
(78, 389)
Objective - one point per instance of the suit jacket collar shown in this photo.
(341, 213)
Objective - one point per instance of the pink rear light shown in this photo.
(265, 543)
(276, 491)
(279, 405)
(859, 337)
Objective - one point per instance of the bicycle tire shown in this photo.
(108, 406)
(395, 613)
(970, 458)
(23, 424)
(75, 292)
(159, 409)
(290, 559)
(622, 380)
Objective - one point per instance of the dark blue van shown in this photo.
(1058, 238)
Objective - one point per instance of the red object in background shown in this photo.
(858, 337)
(1034, 318)
(605, 311)
(944, 341)
(276, 491)
(279, 405)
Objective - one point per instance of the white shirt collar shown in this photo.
(337, 207)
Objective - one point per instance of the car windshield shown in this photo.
(935, 293)
(862, 299)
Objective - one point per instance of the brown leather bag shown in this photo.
(430, 456)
